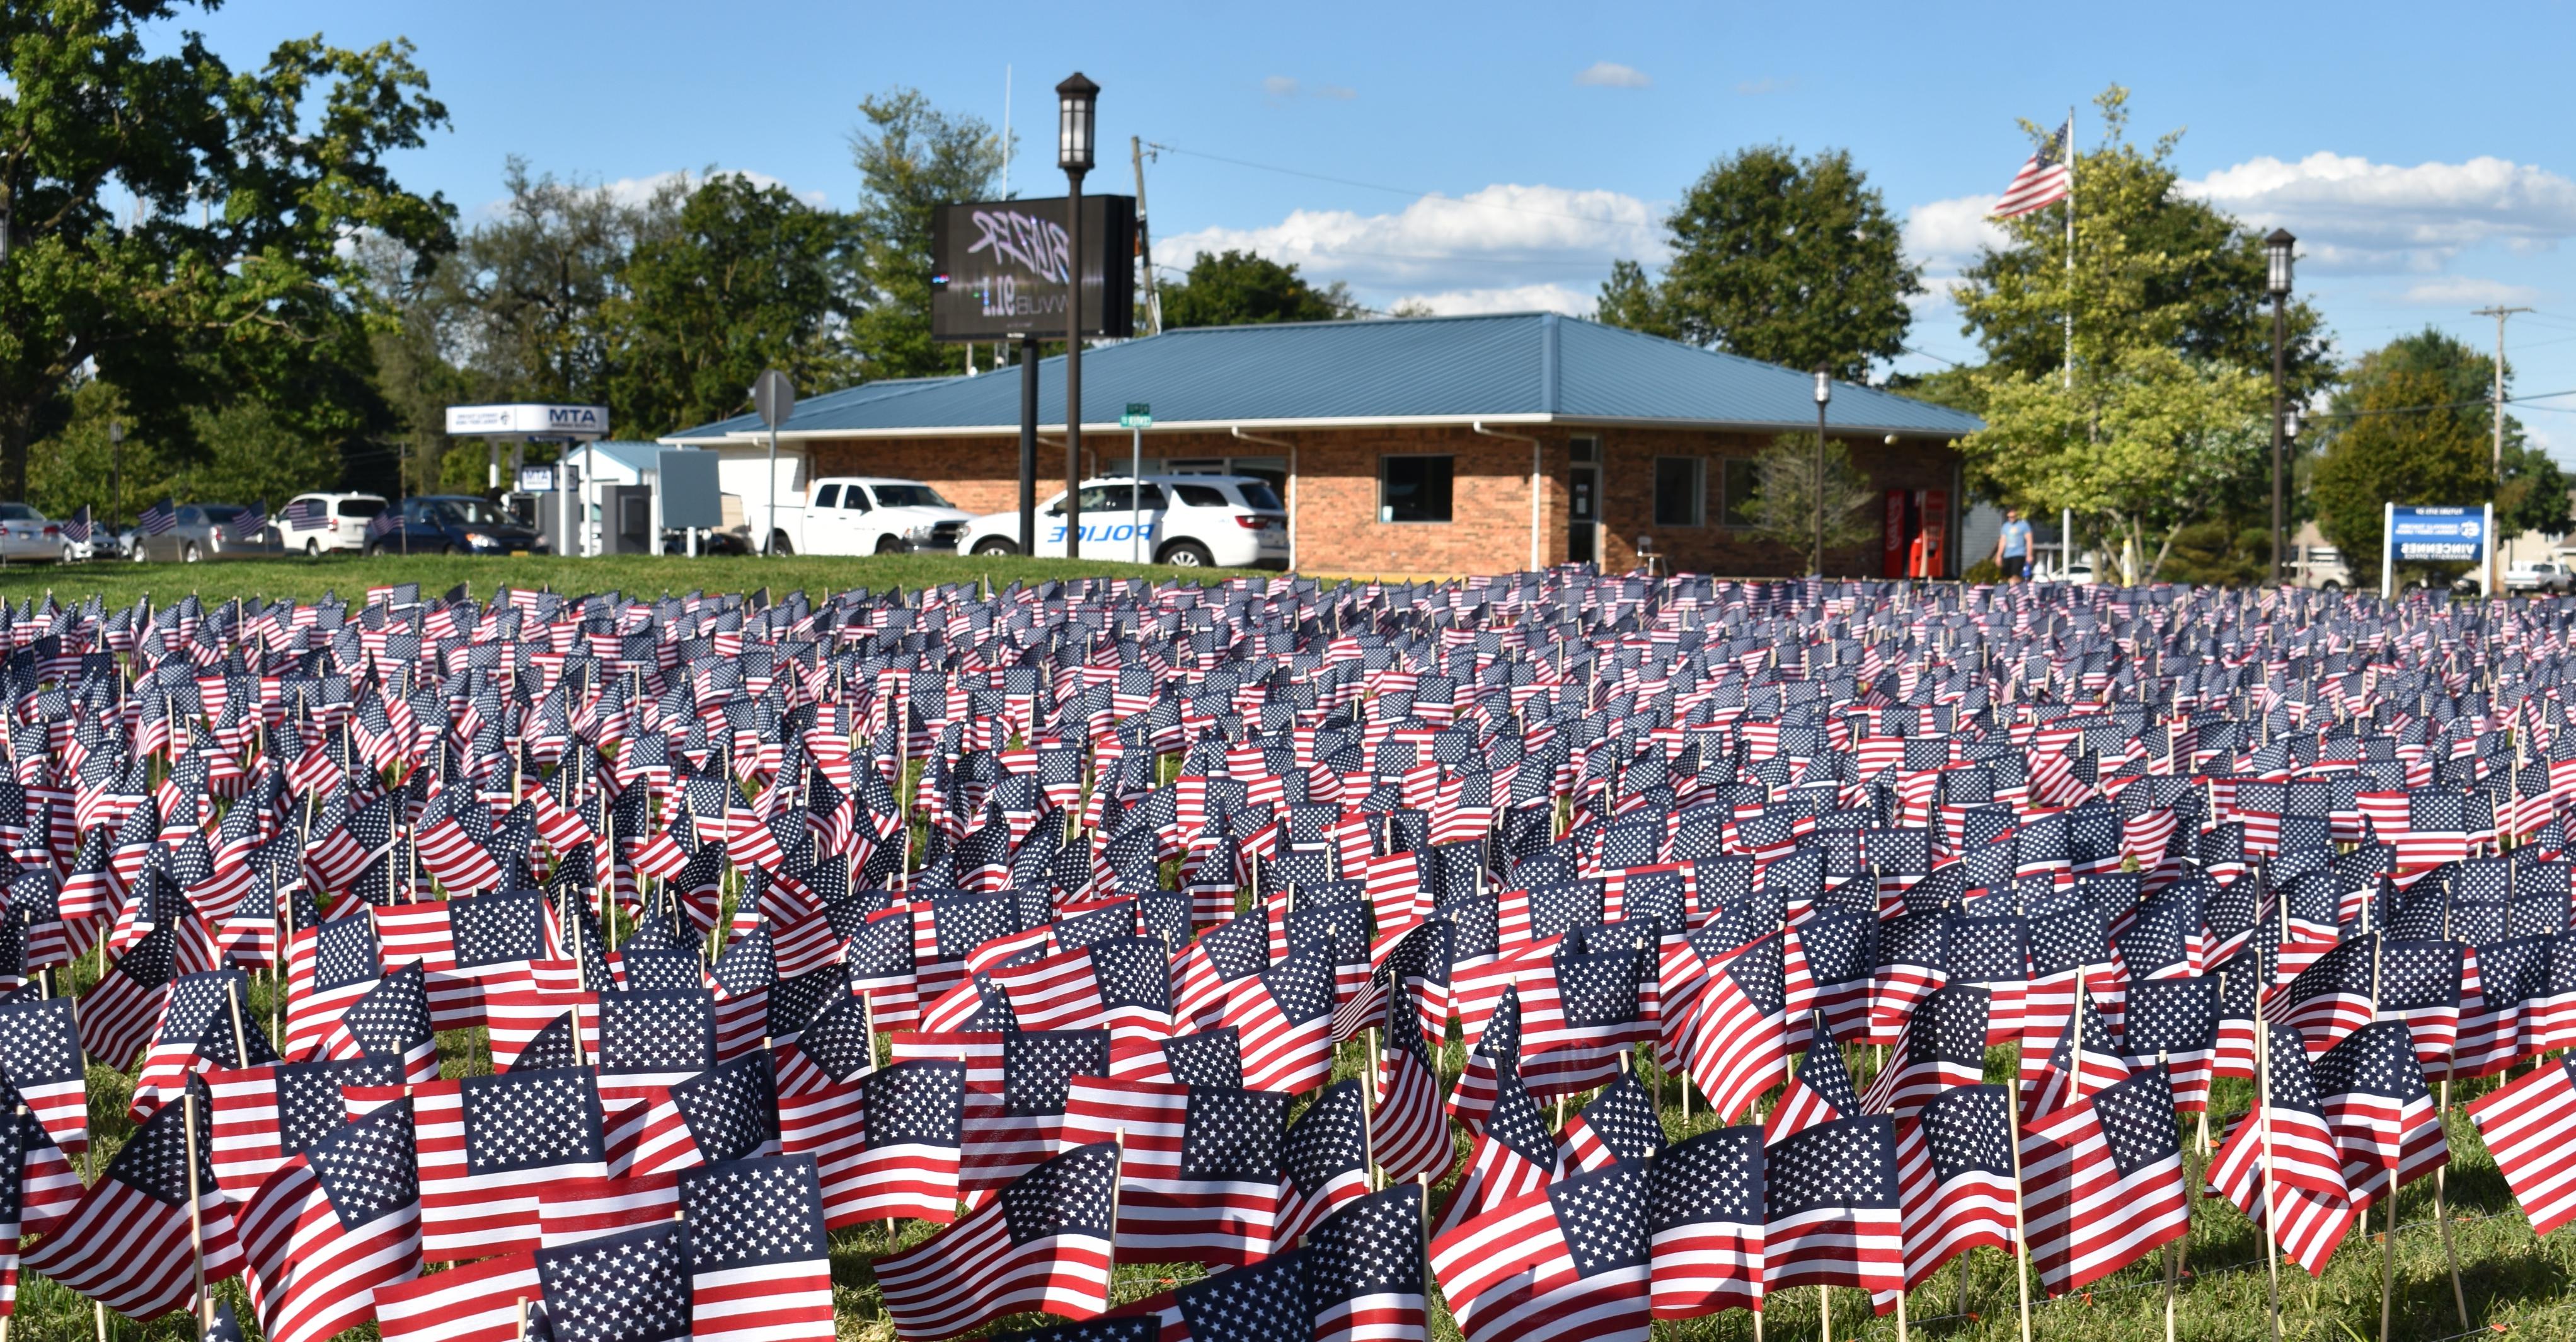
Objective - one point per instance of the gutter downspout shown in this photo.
(1537, 480)
(1291, 500)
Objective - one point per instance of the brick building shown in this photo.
(1432, 445)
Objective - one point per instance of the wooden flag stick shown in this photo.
(2021, 1224)
(1825, 1312)
(2388, 1259)
(2263, 1108)
(196, 1214)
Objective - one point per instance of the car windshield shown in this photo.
(221, 512)
(469, 512)
(1258, 496)
(19, 512)
(908, 496)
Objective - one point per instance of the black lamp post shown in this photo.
(1824, 397)
(2277, 247)
(1076, 100)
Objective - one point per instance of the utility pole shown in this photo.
(2494, 550)
(1144, 248)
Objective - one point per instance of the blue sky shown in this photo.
(2425, 163)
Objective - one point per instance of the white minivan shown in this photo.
(314, 523)
(1231, 521)
(860, 515)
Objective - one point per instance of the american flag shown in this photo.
(40, 1054)
(262, 1116)
(632, 1286)
(760, 1268)
(1707, 1224)
(1364, 1270)
(249, 522)
(390, 1021)
(488, 1145)
(1202, 1175)
(2081, 1059)
(1820, 1092)
(2280, 1163)
(307, 515)
(475, 1302)
(158, 519)
(1570, 1261)
(900, 1159)
(1954, 1170)
(76, 528)
(2525, 1128)
(2330, 998)
(340, 1219)
(1325, 1159)
(1513, 1155)
(1943, 1045)
(1042, 1243)
(1832, 1214)
(1618, 1124)
(722, 1113)
(1408, 1130)
(128, 1244)
(2380, 1111)
(1285, 1019)
(1736, 1044)
(2102, 1182)
(2175, 1019)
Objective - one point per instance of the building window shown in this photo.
(1414, 489)
(1741, 473)
(1584, 449)
(1681, 489)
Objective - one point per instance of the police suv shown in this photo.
(1232, 521)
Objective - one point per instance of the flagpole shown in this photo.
(2069, 371)
(196, 1214)
(2021, 1223)
(2263, 1106)
(2173, 1251)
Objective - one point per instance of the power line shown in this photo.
(2446, 405)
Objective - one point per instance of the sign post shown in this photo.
(2435, 535)
(775, 398)
(1138, 418)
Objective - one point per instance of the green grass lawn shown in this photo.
(645, 575)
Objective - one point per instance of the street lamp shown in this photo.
(1824, 397)
(1077, 99)
(2277, 248)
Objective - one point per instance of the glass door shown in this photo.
(1583, 502)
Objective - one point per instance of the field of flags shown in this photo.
(581, 967)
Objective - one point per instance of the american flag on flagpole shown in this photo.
(1707, 1224)
(2525, 1127)
(158, 519)
(249, 522)
(760, 1267)
(1043, 1243)
(340, 1219)
(2046, 178)
(1568, 1263)
(307, 515)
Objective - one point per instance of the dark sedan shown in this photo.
(452, 524)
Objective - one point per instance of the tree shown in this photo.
(525, 295)
(1783, 506)
(2169, 331)
(231, 268)
(748, 277)
(2155, 435)
(912, 158)
(1232, 288)
(2413, 426)
(1790, 262)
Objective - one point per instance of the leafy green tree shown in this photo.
(1233, 288)
(1783, 506)
(912, 158)
(2412, 425)
(240, 451)
(1631, 299)
(747, 278)
(524, 297)
(180, 227)
(1774, 258)
(2169, 334)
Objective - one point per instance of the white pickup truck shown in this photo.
(858, 515)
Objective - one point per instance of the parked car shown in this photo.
(2320, 567)
(455, 524)
(203, 532)
(344, 522)
(1235, 521)
(28, 535)
(2538, 575)
(675, 542)
(858, 515)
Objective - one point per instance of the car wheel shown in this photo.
(995, 545)
(69, 557)
(888, 545)
(445, 550)
(779, 544)
(135, 551)
(2330, 585)
(1187, 554)
(188, 553)
(313, 549)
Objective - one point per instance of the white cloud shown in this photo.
(1502, 240)
(2461, 290)
(1755, 88)
(1336, 92)
(637, 190)
(1568, 299)
(1612, 75)
(2355, 215)
(1279, 86)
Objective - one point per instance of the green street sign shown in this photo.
(1140, 415)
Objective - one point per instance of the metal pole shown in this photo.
(769, 541)
(2280, 533)
(1136, 495)
(1073, 369)
(2499, 312)
(1144, 247)
(1028, 444)
(1817, 560)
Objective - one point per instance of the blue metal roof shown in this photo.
(1525, 367)
(818, 403)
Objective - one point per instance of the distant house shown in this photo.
(1422, 446)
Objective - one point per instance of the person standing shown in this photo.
(2012, 548)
